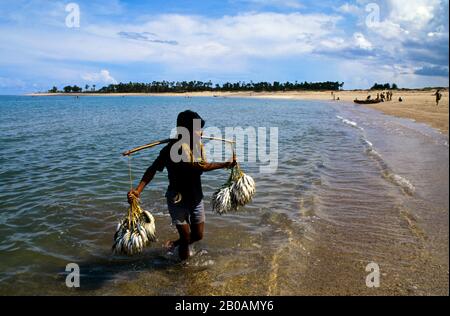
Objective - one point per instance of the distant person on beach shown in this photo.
(400, 99)
(438, 95)
(389, 95)
(184, 193)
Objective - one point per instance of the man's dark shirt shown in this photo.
(184, 178)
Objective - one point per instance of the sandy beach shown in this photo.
(417, 105)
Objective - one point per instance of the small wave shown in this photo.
(375, 153)
(368, 143)
(371, 150)
(348, 122)
(402, 182)
(388, 174)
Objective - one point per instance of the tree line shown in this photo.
(198, 86)
(385, 86)
(75, 88)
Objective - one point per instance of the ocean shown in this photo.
(352, 187)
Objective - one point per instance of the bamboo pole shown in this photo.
(149, 145)
(165, 141)
(219, 139)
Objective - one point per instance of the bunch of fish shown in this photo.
(238, 191)
(135, 231)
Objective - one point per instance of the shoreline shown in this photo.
(418, 105)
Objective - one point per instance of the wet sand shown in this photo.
(417, 105)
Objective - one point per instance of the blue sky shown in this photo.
(358, 42)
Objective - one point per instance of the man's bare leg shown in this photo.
(188, 235)
(196, 235)
(197, 232)
(184, 241)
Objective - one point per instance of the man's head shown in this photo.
(190, 120)
(193, 122)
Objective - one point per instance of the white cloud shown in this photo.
(402, 75)
(390, 30)
(100, 77)
(411, 21)
(333, 44)
(361, 41)
(418, 12)
(349, 9)
(413, 34)
(200, 40)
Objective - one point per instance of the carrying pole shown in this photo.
(149, 145)
(165, 141)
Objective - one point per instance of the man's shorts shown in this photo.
(182, 214)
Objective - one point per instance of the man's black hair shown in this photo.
(186, 119)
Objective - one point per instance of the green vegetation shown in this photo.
(75, 88)
(385, 86)
(197, 86)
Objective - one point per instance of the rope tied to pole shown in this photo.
(129, 172)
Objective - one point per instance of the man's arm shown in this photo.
(158, 165)
(146, 179)
(209, 166)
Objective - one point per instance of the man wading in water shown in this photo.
(185, 162)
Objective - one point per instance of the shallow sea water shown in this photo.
(352, 186)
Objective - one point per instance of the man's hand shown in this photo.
(232, 162)
(132, 193)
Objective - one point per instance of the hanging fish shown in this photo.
(238, 191)
(135, 231)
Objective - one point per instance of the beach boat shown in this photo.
(366, 101)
